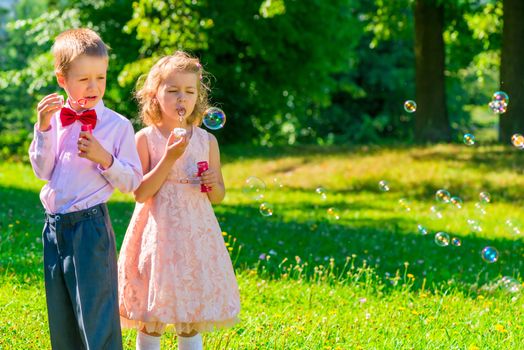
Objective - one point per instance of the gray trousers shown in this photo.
(81, 280)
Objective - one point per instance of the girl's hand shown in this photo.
(46, 108)
(209, 178)
(90, 148)
(175, 146)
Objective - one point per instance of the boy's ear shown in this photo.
(60, 79)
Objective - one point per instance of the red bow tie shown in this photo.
(68, 116)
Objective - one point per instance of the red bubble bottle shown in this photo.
(203, 166)
(87, 127)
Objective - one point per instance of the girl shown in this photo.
(174, 268)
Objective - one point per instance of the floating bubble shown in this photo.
(518, 141)
(469, 139)
(404, 204)
(442, 239)
(442, 196)
(474, 225)
(512, 227)
(490, 255)
(277, 183)
(510, 284)
(422, 230)
(82, 102)
(410, 106)
(322, 192)
(456, 201)
(383, 186)
(499, 102)
(456, 242)
(333, 214)
(214, 118)
(501, 96)
(266, 209)
(254, 188)
(436, 212)
(484, 197)
(480, 208)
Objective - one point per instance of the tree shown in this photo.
(431, 119)
(512, 69)
(275, 63)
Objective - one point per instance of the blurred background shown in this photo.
(290, 72)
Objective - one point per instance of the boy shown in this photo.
(81, 169)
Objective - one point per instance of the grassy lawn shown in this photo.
(346, 270)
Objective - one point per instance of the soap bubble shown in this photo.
(266, 209)
(333, 214)
(484, 197)
(499, 102)
(322, 192)
(442, 196)
(383, 186)
(469, 139)
(410, 106)
(254, 188)
(490, 255)
(457, 202)
(442, 239)
(456, 242)
(214, 118)
(518, 141)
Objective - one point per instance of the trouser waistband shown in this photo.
(77, 216)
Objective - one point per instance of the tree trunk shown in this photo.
(431, 117)
(512, 69)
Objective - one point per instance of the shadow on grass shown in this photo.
(385, 244)
(424, 191)
(492, 158)
(231, 153)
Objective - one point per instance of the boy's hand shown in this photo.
(90, 148)
(175, 146)
(46, 108)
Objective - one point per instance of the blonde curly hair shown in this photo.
(180, 61)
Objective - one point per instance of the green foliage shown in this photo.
(271, 73)
(287, 72)
(28, 75)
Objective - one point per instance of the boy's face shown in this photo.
(85, 82)
(177, 91)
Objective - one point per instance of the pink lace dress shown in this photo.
(174, 268)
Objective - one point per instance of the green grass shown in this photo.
(368, 280)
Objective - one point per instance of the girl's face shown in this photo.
(177, 95)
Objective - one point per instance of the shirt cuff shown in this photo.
(112, 173)
(42, 138)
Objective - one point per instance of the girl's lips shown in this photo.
(181, 111)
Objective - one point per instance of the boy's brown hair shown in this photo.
(75, 42)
